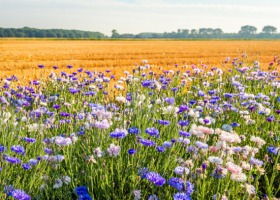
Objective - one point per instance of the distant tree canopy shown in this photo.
(48, 33)
(245, 32)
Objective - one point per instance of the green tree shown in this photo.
(269, 29)
(247, 30)
(115, 34)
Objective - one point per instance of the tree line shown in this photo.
(245, 32)
(27, 32)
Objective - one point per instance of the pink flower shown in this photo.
(234, 169)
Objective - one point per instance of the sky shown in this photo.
(135, 16)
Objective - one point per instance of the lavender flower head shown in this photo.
(155, 178)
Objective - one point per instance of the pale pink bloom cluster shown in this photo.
(114, 150)
(260, 142)
(200, 131)
(234, 169)
(230, 137)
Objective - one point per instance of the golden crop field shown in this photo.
(21, 57)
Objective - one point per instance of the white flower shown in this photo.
(66, 179)
(215, 160)
(58, 184)
(98, 152)
(114, 150)
(250, 189)
(238, 177)
(120, 99)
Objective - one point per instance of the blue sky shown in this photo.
(134, 16)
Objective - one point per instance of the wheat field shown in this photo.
(22, 57)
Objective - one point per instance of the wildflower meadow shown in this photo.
(191, 132)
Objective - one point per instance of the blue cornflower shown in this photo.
(20, 195)
(29, 140)
(183, 123)
(167, 144)
(18, 149)
(147, 143)
(85, 197)
(131, 151)
(146, 83)
(176, 183)
(201, 145)
(183, 108)
(192, 102)
(163, 122)
(234, 124)
(155, 178)
(26, 166)
(189, 188)
(118, 134)
(185, 134)
(169, 100)
(80, 190)
(2, 148)
(272, 150)
(8, 190)
(134, 130)
(181, 196)
(143, 172)
(160, 149)
(152, 132)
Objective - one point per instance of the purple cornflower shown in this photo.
(183, 108)
(152, 132)
(155, 178)
(183, 123)
(20, 195)
(201, 145)
(163, 122)
(169, 100)
(184, 134)
(29, 140)
(147, 143)
(255, 161)
(41, 66)
(56, 106)
(146, 83)
(26, 166)
(18, 149)
(64, 114)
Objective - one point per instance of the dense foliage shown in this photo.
(27, 32)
